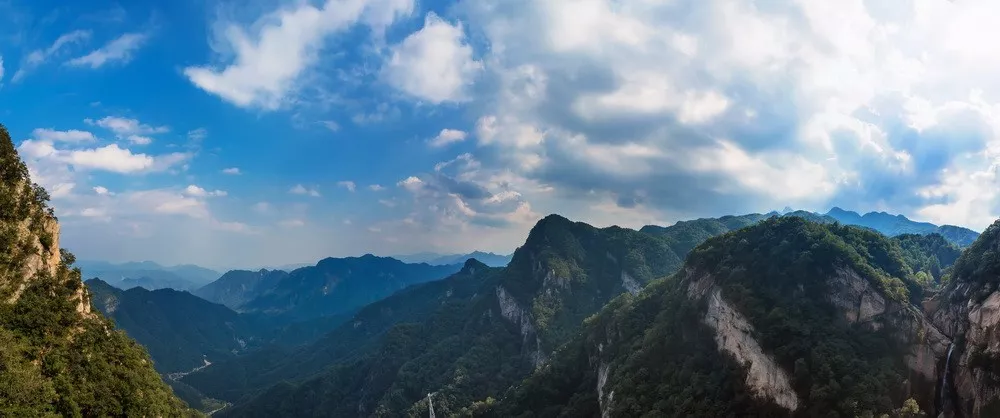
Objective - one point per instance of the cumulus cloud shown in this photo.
(305, 191)
(126, 127)
(694, 108)
(118, 50)
(447, 136)
(433, 64)
(347, 184)
(102, 191)
(71, 135)
(270, 56)
(193, 190)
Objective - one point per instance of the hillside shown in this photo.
(237, 287)
(179, 330)
(969, 310)
(336, 286)
(57, 356)
(786, 317)
(481, 343)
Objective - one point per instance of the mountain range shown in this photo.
(148, 275)
(435, 259)
(779, 314)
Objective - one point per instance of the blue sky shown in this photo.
(235, 133)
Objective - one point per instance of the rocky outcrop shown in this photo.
(734, 336)
(520, 318)
(630, 284)
(977, 323)
(861, 302)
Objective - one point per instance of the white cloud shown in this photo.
(127, 127)
(195, 191)
(102, 191)
(120, 49)
(270, 56)
(140, 140)
(347, 184)
(331, 125)
(411, 183)
(434, 63)
(197, 134)
(234, 171)
(71, 135)
(376, 187)
(447, 136)
(302, 190)
(43, 155)
(1, 68)
(38, 57)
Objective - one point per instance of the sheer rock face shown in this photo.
(862, 303)
(959, 313)
(517, 315)
(734, 335)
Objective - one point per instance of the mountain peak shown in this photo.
(472, 265)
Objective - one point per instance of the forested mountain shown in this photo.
(57, 357)
(237, 287)
(826, 317)
(786, 317)
(470, 348)
(893, 225)
(336, 286)
(179, 330)
(969, 311)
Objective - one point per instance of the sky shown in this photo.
(264, 132)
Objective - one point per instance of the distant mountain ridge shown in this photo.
(148, 275)
(893, 225)
(435, 259)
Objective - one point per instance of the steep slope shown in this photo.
(563, 273)
(786, 317)
(180, 330)
(893, 225)
(336, 286)
(235, 378)
(929, 256)
(56, 356)
(237, 287)
(969, 311)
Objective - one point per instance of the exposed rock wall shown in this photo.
(734, 335)
(517, 315)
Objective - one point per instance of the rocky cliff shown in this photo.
(56, 356)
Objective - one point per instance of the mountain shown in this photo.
(148, 274)
(968, 310)
(238, 287)
(893, 225)
(435, 259)
(337, 286)
(474, 346)
(234, 378)
(57, 356)
(784, 318)
(490, 259)
(180, 330)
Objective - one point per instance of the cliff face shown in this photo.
(56, 356)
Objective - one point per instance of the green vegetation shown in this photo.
(929, 256)
(56, 360)
(663, 361)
